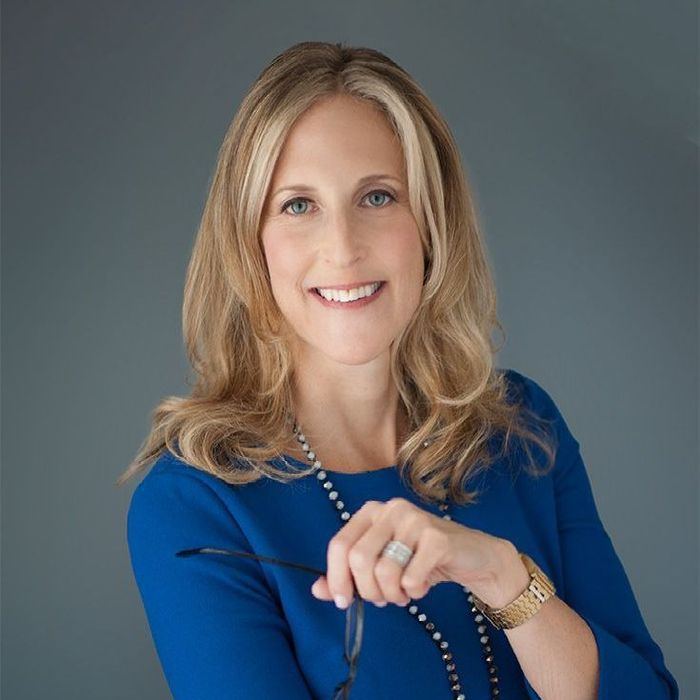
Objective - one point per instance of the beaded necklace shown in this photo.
(412, 609)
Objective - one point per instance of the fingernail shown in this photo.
(381, 604)
(341, 601)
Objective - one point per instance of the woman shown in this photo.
(338, 313)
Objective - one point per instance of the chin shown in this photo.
(356, 357)
(353, 355)
(356, 361)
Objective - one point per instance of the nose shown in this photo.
(342, 243)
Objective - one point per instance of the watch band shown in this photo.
(525, 605)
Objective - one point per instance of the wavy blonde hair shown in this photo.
(238, 416)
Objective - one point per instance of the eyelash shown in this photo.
(305, 199)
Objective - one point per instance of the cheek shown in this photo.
(411, 263)
(279, 262)
(406, 252)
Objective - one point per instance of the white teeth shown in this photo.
(348, 294)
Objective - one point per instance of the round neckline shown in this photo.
(391, 467)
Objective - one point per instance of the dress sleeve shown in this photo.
(595, 584)
(217, 628)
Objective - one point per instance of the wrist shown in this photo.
(509, 577)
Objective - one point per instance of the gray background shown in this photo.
(578, 126)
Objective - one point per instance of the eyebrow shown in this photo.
(360, 182)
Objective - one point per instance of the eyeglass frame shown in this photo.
(354, 613)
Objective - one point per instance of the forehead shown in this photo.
(340, 134)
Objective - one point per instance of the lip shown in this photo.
(352, 285)
(358, 303)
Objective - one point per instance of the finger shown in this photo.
(320, 589)
(388, 572)
(365, 561)
(339, 575)
(388, 575)
(421, 574)
(378, 577)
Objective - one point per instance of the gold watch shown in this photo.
(525, 605)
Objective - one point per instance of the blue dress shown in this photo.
(229, 627)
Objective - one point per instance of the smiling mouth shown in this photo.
(349, 296)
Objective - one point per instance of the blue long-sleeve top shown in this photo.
(230, 627)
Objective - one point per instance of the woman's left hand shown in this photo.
(443, 550)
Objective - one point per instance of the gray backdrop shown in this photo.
(578, 126)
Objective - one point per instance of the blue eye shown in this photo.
(298, 200)
(381, 193)
(303, 200)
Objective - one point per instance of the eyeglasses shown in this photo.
(354, 613)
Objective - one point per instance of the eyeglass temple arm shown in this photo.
(249, 555)
(342, 690)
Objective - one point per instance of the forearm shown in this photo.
(555, 648)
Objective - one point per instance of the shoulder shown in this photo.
(169, 472)
(534, 397)
(175, 496)
(530, 393)
(177, 507)
(542, 414)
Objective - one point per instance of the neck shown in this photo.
(349, 413)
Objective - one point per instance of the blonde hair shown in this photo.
(238, 414)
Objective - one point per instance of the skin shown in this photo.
(334, 231)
